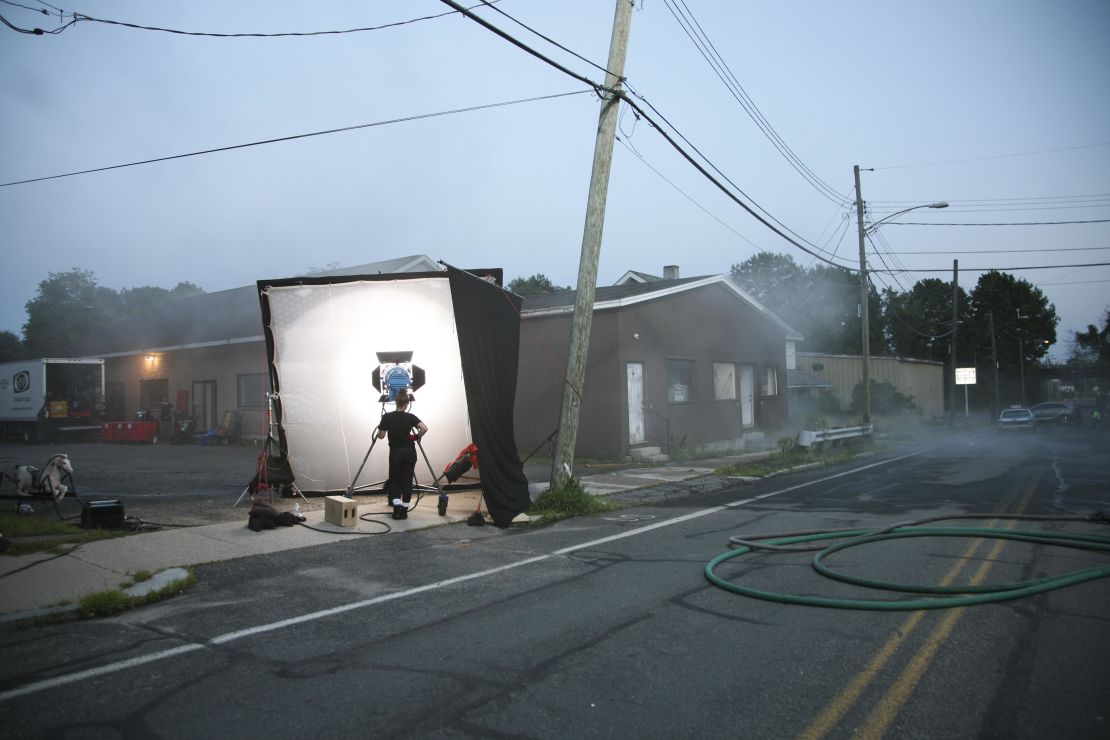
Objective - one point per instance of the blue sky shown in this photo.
(998, 107)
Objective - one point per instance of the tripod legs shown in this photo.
(373, 441)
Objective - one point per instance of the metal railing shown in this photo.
(809, 439)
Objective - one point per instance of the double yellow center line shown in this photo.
(896, 696)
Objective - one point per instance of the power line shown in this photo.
(620, 94)
(995, 156)
(1000, 269)
(82, 17)
(34, 31)
(1007, 223)
(1079, 282)
(548, 39)
(684, 193)
(232, 147)
(1008, 251)
(708, 51)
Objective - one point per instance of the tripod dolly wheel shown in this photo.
(442, 504)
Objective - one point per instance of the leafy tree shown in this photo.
(1093, 345)
(71, 305)
(11, 348)
(822, 302)
(136, 300)
(1024, 329)
(920, 320)
(68, 306)
(538, 284)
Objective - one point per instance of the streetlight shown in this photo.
(864, 293)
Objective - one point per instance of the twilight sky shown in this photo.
(999, 107)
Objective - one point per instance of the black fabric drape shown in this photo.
(487, 320)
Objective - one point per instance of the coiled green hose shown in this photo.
(956, 595)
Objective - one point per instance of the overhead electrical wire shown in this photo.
(1007, 251)
(548, 39)
(693, 29)
(682, 192)
(995, 156)
(1007, 223)
(1002, 269)
(78, 17)
(599, 88)
(232, 147)
(34, 31)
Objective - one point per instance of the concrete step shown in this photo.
(645, 452)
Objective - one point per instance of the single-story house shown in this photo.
(673, 362)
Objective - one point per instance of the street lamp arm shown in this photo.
(891, 217)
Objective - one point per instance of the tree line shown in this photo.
(70, 305)
(1001, 318)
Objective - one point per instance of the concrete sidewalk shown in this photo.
(40, 584)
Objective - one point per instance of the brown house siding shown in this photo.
(704, 325)
(222, 363)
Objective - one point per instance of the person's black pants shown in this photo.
(402, 466)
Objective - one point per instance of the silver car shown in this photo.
(1016, 419)
(1055, 412)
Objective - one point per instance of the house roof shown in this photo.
(616, 296)
(224, 317)
(634, 276)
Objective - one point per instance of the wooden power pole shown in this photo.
(562, 464)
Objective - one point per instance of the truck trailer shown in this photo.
(49, 398)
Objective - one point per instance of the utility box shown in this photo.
(341, 511)
(102, 514)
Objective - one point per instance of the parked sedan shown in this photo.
(1017, 419)
(1055, 412)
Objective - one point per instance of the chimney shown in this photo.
(670, 272)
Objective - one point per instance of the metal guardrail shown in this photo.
(808, 439)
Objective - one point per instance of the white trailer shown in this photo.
(49, 397)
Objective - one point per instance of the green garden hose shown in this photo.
(953, 596)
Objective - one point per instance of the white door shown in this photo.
(635, 402)
(747, 389)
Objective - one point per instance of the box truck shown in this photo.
(51, 397)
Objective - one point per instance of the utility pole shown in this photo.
(863, 296)
(994, 361)
(562, 465)
(955, 325)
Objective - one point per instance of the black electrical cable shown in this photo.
(40, 562)
(1000, 269)
(708, 51)
(232, 147)
(1003, 223)
(136, 26)
(616, 93)
(35, 31)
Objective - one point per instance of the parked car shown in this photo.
(1055, 412)
(1016, 419)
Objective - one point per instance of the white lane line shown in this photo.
(223, 639)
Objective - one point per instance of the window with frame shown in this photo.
(252, 390)
(680, 381)
(770, 381)
(724, 381)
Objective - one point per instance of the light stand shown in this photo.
(261, 476)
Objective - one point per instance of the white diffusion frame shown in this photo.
(325, 344)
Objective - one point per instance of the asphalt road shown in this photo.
(606, 626)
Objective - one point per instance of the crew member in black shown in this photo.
(402, 451)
